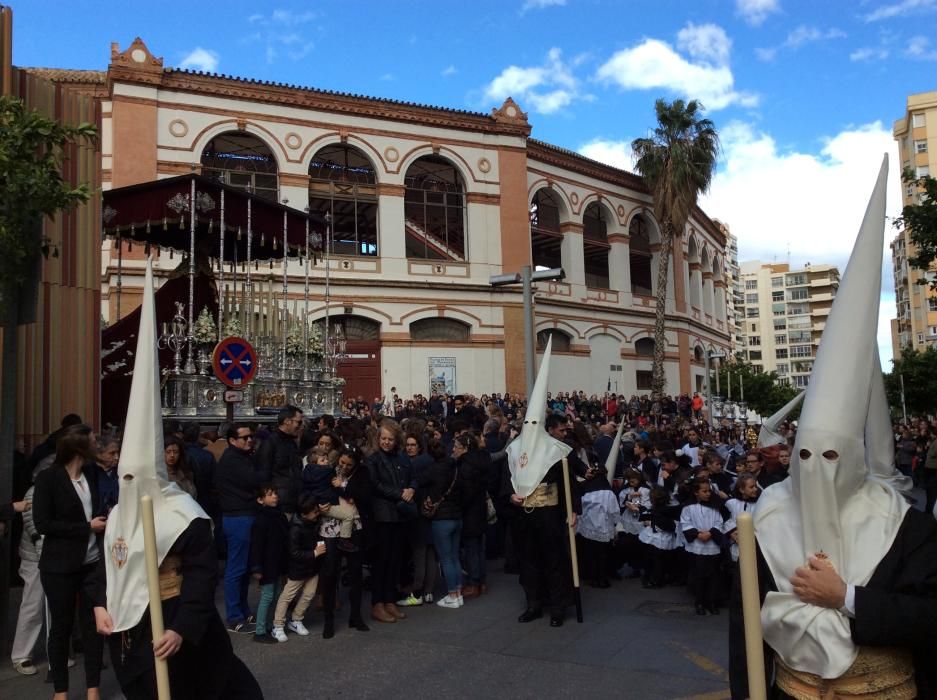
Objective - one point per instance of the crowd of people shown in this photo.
(310, 504)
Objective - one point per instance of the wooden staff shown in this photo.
(574, 559)
(751, 608)
(156, 602)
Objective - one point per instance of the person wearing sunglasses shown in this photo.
(236, 482)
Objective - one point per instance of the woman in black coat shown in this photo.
(392, 506)
(64, 501)
(354, 485)
(474, 466)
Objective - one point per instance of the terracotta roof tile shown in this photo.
(69, 75)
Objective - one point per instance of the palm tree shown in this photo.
(677, 163)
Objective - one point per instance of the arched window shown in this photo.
(695, 276)
(545, 236)
(644, 347)
(342, 184)
(561, 341)
(434, 210)
(351, 327)
(241, 160)
(595, 245)
(640, 252)
(445, 329)
(698, 353)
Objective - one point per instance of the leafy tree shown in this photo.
(33, 151)
(919, 370)
(921, 221)
(677, 163)
(764, 393)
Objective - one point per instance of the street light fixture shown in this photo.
(709, 356)
(526, 277)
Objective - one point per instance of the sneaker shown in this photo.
(264, 639)
(25, 668)
(461, 601)
(410, 601)
(448, 602)
(298, 627)
(428, 598)
(242, 627)
(278, 634)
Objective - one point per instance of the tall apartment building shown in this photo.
(785, 312)
(916, 322)
(735, 299)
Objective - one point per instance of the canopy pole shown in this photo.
(248, 305)
(284, 326)
(220, 285)
(120, 271)
(190, 340)
(306, 305)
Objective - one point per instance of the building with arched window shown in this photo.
(425, 204)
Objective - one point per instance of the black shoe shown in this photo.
(241, 627)
(251, 619)
(700, 610)
(358, 625)
(714, 610)
(264, 639)
(328, 631)
(530, 614)
(556, 620)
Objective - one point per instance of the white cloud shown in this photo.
(200, 59)
(615, 153)
(546, 88)
(900, 9)
(919, 48)
(540, 4)
(707, 42)
(654, 64)
(798, 37)
(756, 11)
(449, 70)
(869, 54)
(281, 31)
(808, 202)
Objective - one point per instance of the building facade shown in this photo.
(735, 297)
(785, 312)
(426, 203)
(58, 358)
(915, 325)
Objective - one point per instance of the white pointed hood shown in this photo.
(879, 440)
(534, 451)
(142, 471)
(769, 435)
(832, 503)
(612, 460)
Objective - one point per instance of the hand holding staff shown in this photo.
(751, 608)
(571, 529)
(156, 603)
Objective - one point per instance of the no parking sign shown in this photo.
(234, 361)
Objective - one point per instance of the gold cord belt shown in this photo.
(878, 673)
(543, 495)
(170, 577)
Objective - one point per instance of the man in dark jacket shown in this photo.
(279, 461)
(203, 466)
(236, 483)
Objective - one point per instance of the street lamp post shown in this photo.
(526, 277)
(709, 356)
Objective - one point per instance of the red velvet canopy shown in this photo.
(157, 213)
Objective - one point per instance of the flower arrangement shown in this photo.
(204, 331)
(232, 326)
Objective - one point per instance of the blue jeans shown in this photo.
(446, 535)
(269, 592)
(473, 549)
(237, 534)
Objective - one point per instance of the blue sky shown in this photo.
(803, 93)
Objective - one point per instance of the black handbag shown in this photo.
(429, 507)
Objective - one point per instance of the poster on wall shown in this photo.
(442, 375)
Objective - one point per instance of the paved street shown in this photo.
(633, 643)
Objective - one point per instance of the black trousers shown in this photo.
(329, 579)
(389, 539)
(240, 685)
(703, 574)
(63, 592)
(593, 559)
(544, 559)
